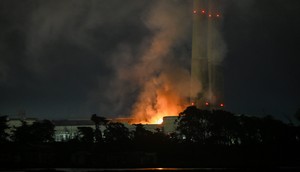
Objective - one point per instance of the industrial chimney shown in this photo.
(206, 68)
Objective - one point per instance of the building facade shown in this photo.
(66, 130)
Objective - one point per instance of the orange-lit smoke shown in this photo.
(165, 83)
(164, 95)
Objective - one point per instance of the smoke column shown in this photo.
(147, 67)
(164, 83)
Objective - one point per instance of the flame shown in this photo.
(161, 97)
(164, 82)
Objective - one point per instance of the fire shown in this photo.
(163, 96)
(162, 82)
(152, 112)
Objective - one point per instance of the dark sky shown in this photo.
(62, 59)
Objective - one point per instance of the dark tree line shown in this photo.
(216, 127)
(224, 128)
(37, 132)
(202, 139)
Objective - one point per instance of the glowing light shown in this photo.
(160, 121)
(193, 104)
(218, 15)
(209, 15)
(194, 11)
(222, 105)
(203, 11)
(206, 103)
(158, 101)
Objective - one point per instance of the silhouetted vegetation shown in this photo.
(38, 132)
(85, 135)
(203, 138)
(98, 120)
(141, 135)
(3, 127)
(224, 128)
(116, 132)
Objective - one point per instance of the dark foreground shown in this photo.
(130, 157)
(155, 169)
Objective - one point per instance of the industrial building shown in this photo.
(68, 129)
(206, 75)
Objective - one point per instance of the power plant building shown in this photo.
(206, 75)
(68, 129)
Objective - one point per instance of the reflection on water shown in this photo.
(140, 169)
(131, 169)
(128, 169)
(154, 169)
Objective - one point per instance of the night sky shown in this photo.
(62, 59)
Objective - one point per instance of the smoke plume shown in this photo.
(163, 83)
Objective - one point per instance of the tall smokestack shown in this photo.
(206, 69)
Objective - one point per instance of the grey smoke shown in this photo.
(105, 48)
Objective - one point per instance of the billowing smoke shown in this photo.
(71, 59)
(162, 81)
(114, 58)
(141, 58)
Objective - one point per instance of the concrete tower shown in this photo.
(206, 68)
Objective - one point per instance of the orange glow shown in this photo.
(209, 15)
(206, 103)
(203, 11)
(218, 15)
(153, 117)
(195, 12)
(222, 105)
(163, 96)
